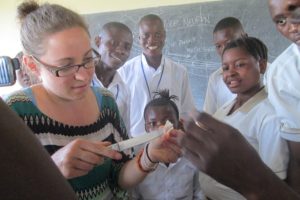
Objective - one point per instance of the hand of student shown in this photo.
(222, 152)
(80, 156)
(166, 149)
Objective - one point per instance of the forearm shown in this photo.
(267, 186)
(293, 173)
(131, 174)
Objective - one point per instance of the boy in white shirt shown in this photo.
(151, 71)
(217, 93)
(114, 44)
(283, 80)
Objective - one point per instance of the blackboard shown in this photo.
(189, 33)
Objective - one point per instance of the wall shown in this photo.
(9, 37)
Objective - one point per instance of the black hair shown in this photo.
(252, 45)
(151, 17)
(163, 98)
(228, 22)
(117, 25)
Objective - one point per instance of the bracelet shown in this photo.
(147, 154)
(139, 162)
(144, 164)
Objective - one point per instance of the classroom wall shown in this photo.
(9, 34)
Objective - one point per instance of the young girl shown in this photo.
(178, 180)
(74, 122)
(250, 112)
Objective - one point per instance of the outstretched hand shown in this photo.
(166, 148)
(80, 156)
(221, 152)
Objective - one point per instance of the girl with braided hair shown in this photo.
(163, 183)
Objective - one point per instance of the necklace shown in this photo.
(117, 94)
(145, 78)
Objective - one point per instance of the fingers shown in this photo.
(80, 156)
(101, 149)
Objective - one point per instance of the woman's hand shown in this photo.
(80, 156)
(166, 149)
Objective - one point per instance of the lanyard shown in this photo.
(117, 94)
(145, 78)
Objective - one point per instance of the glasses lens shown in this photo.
(68, 70)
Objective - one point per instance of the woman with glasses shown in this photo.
(75, 122)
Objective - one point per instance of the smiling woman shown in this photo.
(75, 122)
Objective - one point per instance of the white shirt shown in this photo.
(283, 84)
(178, 181)
(122, 96)
(217, 93)
(257, 121)
(169, 75)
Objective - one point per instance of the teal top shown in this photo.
(102, 181)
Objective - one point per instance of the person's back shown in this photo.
(114, 45)
(217, 93)
(163, 184)
(152, 71)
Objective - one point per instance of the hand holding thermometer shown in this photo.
(146, 137)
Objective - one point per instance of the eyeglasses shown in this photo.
(68, 70)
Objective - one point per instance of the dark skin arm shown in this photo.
(26, 169)
(223, 153)
(293, 176)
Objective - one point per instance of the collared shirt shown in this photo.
(283, 81)
(258, 123)
(122, 96)
(179, 180)
(217, 93)
(169, 75)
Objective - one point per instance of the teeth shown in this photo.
(233, 83)
(152, 47)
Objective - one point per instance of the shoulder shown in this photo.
(130, 68)
(15, 97)
(131, 63)
(216, 75)
(174, 65)
(289, 54)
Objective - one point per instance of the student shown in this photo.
(217, 93)
(283, 80)
(114, 44)
(23, 79)
(205, 143)
(251, 113)
(151, 71)
(164, 182)
(75, 122)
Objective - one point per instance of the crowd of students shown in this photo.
(87, 99)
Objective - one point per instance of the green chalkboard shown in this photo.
(189, 33)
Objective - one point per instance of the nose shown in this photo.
(152, 38)
(231, 71)
(294, 27)
(84, 74)
(120, 49)
(221, 49)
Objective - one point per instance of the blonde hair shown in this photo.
(39, 21)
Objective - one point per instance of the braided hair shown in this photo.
(163, 98)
